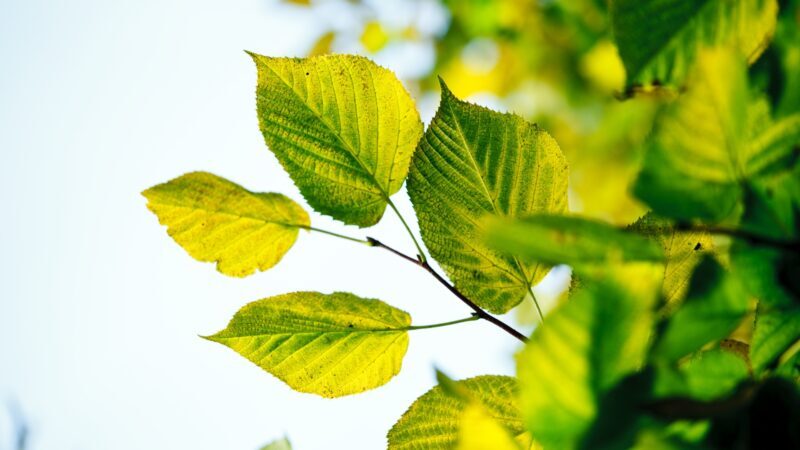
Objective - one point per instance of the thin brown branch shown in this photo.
(479, 312)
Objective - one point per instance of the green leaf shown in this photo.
(715, 304)
(587, 346)
(344, 129)
(772, 205)
(694, 164)
(776, 330)
(473, 162)
(659, 40)
(570, 240)
(434, 420)
(706, 376)
(326, 344)
(215, 220)
(282, 444)
(683, 250)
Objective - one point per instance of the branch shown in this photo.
(753, 238)
(479, 312)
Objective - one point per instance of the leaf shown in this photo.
(281, 444)
(570, 240)
(215, 220)
(480, 431)
(326, 344)
(472, 162)
(693, 167)
(344, 129)
(772, 205)
(683, 250)
(715, 304)
(433, 420)
(587, 346)
(660, 40)
(706, 376)
(776, 330)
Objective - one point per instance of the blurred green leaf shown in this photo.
(707, 375)
(586, 347)
(570, 240)
(715, 304)
(472, 162)
(659, 40)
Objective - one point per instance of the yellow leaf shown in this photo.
(216, 220)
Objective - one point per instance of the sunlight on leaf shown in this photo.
(326, 344)
(344, 129)
(433, 421)
(587, 345)
(282, 444)
(215, 220)
(472, 162)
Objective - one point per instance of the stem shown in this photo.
(444, 324)
(742, 234)
(340, 236)
(408, 230)
(536, 302)
(479, 313)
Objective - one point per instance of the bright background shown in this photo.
(100, 310)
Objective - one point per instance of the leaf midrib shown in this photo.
(348, 149)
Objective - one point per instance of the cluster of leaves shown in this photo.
(681, 330)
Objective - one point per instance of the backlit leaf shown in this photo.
(683, 250)
(480, 431)
(282, 444)
(433, 421)
(776, 330)
(326, 344)
(586, 347)
(473, 162)
(215, 220)
(659, 40)
(699, 153)
(344, 129)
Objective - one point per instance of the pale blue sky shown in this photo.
(99, 309)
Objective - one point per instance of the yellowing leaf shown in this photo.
(586, 347)
(433, 422)
(323, 44)
(659, 40)
(683, 250)
(344, 129)
(218, 221)
(480, 431)
(330, 345)
(473, 162)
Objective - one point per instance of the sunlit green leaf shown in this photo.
(215, 220)
(715, 304)
(343, 127)
(473, 162)
(326, 344)
(586, 347)
(659, 40)
(683, 250)
(434, 420)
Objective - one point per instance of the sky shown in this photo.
(100, 310)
